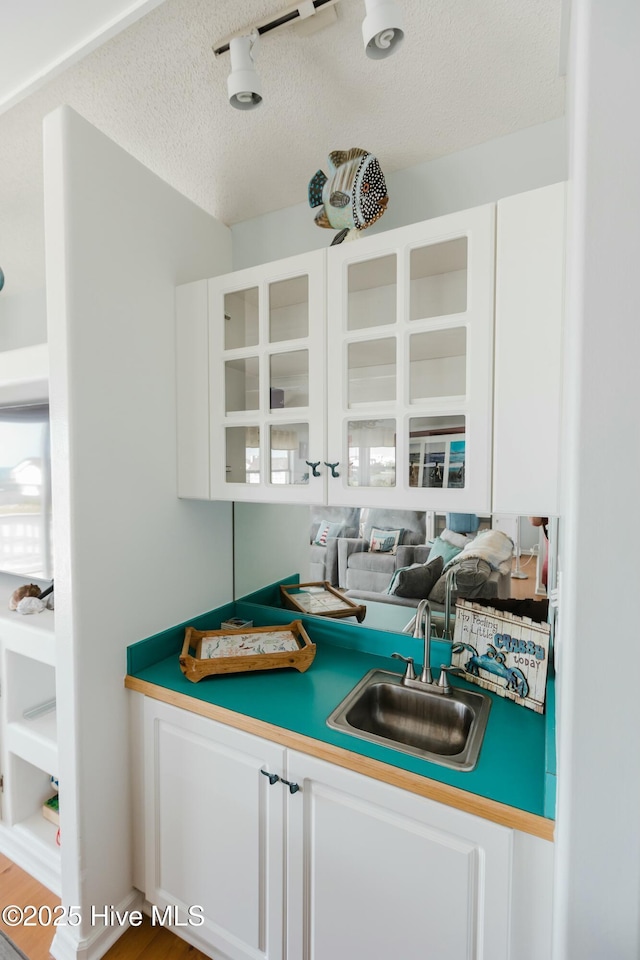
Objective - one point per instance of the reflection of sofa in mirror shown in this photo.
(481, 563)
(327, 524)
(369, 562)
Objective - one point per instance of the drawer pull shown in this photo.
(273, 777)
(332, 467)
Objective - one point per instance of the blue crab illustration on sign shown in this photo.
(494, 662)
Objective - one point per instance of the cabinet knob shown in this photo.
(314, 467)
(293, 787)
(332, 467)
(273, 777)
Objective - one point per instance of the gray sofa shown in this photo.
(359, 568)
(364, 580)
(323, 559)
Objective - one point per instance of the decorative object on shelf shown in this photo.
(51, 809)
(30, 599)
(352, 197)
(27, 590)
(321, 600)
(30, 605)
(240, 651)
(502, 652)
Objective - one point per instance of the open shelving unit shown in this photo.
(28, 740)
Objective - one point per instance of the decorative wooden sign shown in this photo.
(503, 653)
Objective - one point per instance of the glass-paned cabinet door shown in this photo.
(267, 382)
(410, 355)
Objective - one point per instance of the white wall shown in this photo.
(23, 318)
(598, 825)
(131, 559)
(530, 158)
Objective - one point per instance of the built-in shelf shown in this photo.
(32, 636)
(33, 641)
(28, 744)
(41, 834)
(35, 741)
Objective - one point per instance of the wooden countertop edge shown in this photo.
(499, 813)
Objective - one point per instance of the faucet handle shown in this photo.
(443, 680)
(409, 673)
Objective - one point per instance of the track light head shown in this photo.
(382, 28)
(243, 85)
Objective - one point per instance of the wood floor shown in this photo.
(137, 943)
(526, 589)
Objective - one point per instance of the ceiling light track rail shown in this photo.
(298, 12)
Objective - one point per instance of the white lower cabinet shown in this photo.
(376, 872)
(214, 831)
(323, 863)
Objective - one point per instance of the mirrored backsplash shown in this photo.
(274, 541)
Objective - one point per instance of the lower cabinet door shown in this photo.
(376, 872)
(214, 833)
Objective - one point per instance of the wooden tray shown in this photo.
(323, 601)
(196, 667)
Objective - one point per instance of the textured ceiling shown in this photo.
(468, 71)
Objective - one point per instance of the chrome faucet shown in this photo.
(422, 630)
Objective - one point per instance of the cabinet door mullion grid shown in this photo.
(262, 418)
(476, 227)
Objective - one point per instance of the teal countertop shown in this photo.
(514, 763)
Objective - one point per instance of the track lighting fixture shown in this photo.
(382, 29)
(243, 86)
(382, 32)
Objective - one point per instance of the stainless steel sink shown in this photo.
(444, 729)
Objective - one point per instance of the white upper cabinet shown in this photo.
(267, 381)
(364, 374)
(410, 365)
(528, 352)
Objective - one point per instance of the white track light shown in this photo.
(243, 85)
(382, 29)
